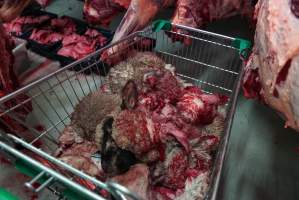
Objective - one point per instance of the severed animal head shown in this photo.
(114, 160)
(129, 95)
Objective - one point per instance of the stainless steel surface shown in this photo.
(55, 174)
(55, 95)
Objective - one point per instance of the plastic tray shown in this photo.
(28, 27)
(36, 46)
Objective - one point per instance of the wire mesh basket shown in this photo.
(212, 61)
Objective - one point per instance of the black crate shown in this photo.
(34, 6)
(108, 34)
(50, 51)
(36, 46)
(100, 68)
(80, 26)
(36, 13)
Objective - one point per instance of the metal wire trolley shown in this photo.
(212, 61)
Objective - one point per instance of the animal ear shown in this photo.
(107, 132)
(129, 95)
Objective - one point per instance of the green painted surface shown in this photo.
(5, 195)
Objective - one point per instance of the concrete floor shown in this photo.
(263, 160)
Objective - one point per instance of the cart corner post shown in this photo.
(244, 47)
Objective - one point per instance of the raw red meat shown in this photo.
(73, 38)
(138, 15)
(137, 180)
(196, 188)
(188, 12)
(96, 35)
(175, 164)
(147, 126)
(9, 84)
(100, 11)
(197, 107)
(63, 25)
(17, 24)
(273, 69)
(77, 152)
(7, 76)
(68, 137)
(44, 3)
(76, 46)
(131, 132)
(194, 13)
(45, 36)
(123, 3)
(164, 83)
(163, 193)
(200, 159)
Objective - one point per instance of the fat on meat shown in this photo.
(78, 46)
(9, 84)
(45, 36)
(16, 26)
(272, 71)
(69, 136)
(96, 35)
(197, 107)
(100, 11)
(44, 3)
(137, 180)
(82, 163)
(146, 143)
(172, 171)
(192, 13)
(63, 25)
(196, 188)
(78, 152)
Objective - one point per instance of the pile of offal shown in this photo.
(155, 134)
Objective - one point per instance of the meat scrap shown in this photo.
(78, 46)
(44, 3)
(9, 84)
(16, 26)
(156, 134)
(96, 35)
(137, 180)
(63, 25)
(55, 32)
(273, 68)
(45, 36)
(100, 11)
(197, 107)
(78, 152)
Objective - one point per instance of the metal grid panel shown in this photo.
(54, 96)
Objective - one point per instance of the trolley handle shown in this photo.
(159, 25)
(244, 46)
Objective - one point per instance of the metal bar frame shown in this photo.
(115, 189)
